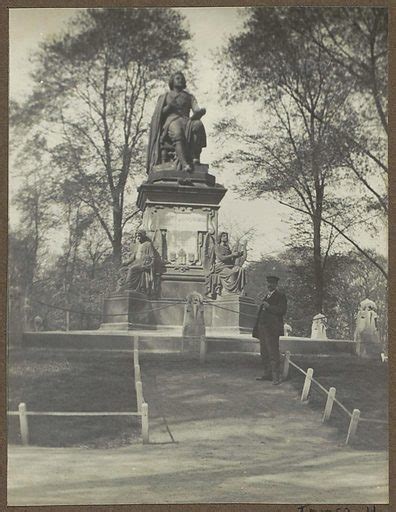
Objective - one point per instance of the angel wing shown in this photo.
(208, 252)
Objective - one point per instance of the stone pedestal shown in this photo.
(179, 210)
(126, 310)
(232, 314)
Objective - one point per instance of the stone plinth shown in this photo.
(126, 310)
(232, 313)
(179, 210)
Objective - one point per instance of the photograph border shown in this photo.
(229, 507)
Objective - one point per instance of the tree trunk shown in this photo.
(117, 236)
(318, 268)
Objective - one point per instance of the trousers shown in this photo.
(269, 350)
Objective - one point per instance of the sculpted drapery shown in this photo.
(172, 131)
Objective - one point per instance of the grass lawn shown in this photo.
(360, 384)
(54, 380)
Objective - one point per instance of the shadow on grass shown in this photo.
(361, 384)
(60, 381)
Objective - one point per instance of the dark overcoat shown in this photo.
(272, 317)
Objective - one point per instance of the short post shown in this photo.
(145, 423)
(136, 356)
(329, 404)
(307, 385)
(136, 342)
(139, 395)
(353, 425)
(286, 365)
(23, 423)
(67, 320)
(202, 349)
(138, 375)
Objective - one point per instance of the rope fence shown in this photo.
(354, 416)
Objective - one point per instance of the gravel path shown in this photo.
(216, 435)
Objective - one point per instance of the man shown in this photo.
(172, 125)
(268, 328)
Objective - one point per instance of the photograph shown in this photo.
(197, 269)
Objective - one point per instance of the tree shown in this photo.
(34, 208)
(295, 157)
(92, 85)
(355, 39)
(299, 152)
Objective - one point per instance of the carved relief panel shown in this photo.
(178, 232)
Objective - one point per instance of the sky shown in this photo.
(210, 28)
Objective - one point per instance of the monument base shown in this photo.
(129, 310)
(233, 314)
(124, 310)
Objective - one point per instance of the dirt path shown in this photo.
(217, 435)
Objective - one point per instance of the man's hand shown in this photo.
(265, 304)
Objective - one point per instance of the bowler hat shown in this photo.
(272, 278)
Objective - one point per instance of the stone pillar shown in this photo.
(319, 327)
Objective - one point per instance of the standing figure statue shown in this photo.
(138, 273)
(226, 272)
(172, 131)
(366, 336)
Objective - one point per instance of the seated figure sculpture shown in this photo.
(226, 275)
(172, 132)
(138, 273)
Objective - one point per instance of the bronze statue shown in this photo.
(173, 134)
(226, 273)
(139, 272)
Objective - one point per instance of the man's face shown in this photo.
(224, 237)
(140, 237)
(272, 284)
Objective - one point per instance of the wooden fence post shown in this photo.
(286, 365)
(139, 395)
(135, 356)
(145, 423)
(353, 425)
(307, 385)
(202, 349)
(23, 422)
(138, 374)
(329, 404)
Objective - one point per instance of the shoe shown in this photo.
(276, 381)
(264, 377)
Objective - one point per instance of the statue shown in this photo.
(173, 134)
(225, 272)
(194, 321)
(139, 272)
(319, 327)
(287, 329)
(366, 333)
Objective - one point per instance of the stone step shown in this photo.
(171, 341)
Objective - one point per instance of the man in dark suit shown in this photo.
(268, 328)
